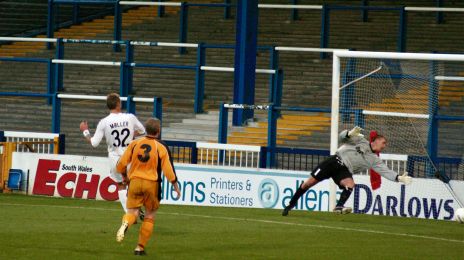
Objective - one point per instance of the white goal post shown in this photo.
(365, 56)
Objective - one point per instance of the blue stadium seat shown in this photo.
(14, 179)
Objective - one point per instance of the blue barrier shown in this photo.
(439, 16)
(117, 25)
(294, 14)
(401, 44)
(223, 124)
(158, 111)
(325, 24)
(271, 136)
(200, 79)
(59, 68)
(227, 9)
(183, 26)
(364, 14)
(161, 10)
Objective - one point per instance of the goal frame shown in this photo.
(336, 84)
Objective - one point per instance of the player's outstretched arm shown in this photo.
(381, 168)
(84, 127)
(356, 131)
(97, 137)
(405, 179)
(352, 136)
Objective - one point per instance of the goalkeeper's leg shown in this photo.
(298, 193)
(347, 186)
(323, 171)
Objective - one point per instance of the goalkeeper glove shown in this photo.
(405, 179)
(356, 131)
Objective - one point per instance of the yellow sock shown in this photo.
(145, 231)
(130, 218)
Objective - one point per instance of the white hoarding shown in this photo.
(86, 177)
(67, 175)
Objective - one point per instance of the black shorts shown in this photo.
(332, 167)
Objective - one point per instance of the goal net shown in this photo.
(398, 96)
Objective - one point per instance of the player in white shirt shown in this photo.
(119, 129)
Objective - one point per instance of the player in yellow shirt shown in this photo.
(147, 157)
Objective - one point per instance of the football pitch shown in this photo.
(53, 228)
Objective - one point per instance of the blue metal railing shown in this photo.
(183, 16)
(56, 106)
(56, 72)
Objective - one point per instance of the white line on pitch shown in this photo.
(253, 220)
(315, 226)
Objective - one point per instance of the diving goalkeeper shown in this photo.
(355, 155)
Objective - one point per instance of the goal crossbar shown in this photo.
(398, 55)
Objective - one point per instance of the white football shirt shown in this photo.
(118, 129)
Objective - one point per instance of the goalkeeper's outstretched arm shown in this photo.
(352, 136)
(381, 168)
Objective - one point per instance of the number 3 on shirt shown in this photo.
(146, 153)
(124, 134)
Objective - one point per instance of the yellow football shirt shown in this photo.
(147, 158)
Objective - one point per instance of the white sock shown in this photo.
(123, 199)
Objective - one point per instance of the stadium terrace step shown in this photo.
(203, 127)
(291, 127)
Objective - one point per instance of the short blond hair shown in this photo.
(112, 101)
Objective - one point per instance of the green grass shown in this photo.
(52, 228)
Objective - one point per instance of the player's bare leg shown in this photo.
(127, 220)
(145, 232)
(122, 195)
(348, 184)
(305, 186)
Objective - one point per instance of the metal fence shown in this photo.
(35, 142)
(298, 159)
(229, 155)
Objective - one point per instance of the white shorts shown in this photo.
(114, 175)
